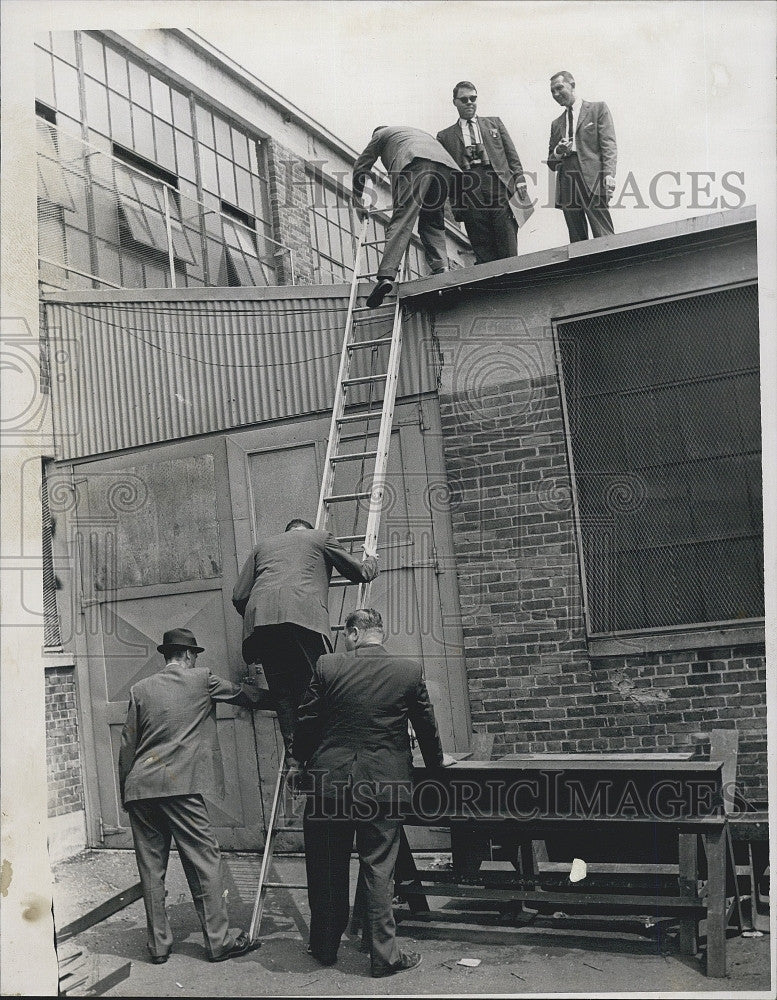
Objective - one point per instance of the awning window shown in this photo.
(52, 185)
(141, 210)
(240, 252)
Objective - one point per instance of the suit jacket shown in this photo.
(594, 143)
(286, 579)
(353, 721)
(169, 744)
(397, 146)
(501, 152)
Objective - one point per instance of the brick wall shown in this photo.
(290, 214)
(532, 682)
(63, 760)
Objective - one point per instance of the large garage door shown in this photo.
(158, 539)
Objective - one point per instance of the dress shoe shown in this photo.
(243, 944)
(379, 293)
(159, 959)
(409, 960)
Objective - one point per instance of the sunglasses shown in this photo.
(467, 100)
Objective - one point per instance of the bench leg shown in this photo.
(715, 844)
(689, 886)
(407, 872)
(469, 848)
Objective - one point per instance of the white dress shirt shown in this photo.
(464, 125)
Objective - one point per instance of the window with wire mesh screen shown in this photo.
(662, 407)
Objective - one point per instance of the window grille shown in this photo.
(662, 407)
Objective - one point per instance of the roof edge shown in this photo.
(578, 253)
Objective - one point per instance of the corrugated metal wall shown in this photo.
(130, 371)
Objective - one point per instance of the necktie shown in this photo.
(569, 123)
(472, 138)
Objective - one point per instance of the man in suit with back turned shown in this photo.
(491, 175)
(584, 156)
(353, 737)
(420, 171)
(169, 761)
(282, 594)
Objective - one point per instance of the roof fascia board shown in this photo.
(649, 240)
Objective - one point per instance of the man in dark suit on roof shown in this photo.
(420, 171)
(282, 594)
(584, 155)
(491, 175)
(353, 737)
(169, 762)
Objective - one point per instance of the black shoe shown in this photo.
(409, 960)
(379, 293)
(320, 959)
(159, 959)
(242, 946)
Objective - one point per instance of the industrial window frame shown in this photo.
(52, 186)
(649, 633)
(143, 218)
(377, 229)
(317, 182)
(242, 263)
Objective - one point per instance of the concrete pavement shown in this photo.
(589, 956)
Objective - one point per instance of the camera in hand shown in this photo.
(475, 154)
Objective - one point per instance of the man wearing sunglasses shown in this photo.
(492, 174)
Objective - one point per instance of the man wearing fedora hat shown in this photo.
(169, 762)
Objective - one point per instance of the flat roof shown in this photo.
(506, 273)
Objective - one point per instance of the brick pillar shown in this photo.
(290, 214)
(63, 757)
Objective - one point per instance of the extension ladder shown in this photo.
(350, 457)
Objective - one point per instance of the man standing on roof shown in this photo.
(421, 172)
(282, 595)
(584, 155)
(492, 174)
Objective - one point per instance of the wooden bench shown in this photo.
(645, 814)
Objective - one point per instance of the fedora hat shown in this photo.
(180, 638)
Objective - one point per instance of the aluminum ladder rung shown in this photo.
(343, 497)
(360, 345)
(365, 379)
(285, 885)
(348, 418)
(375, 310)
(352, 456)
(351, 538)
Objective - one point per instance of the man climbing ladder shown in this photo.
(421, 170)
